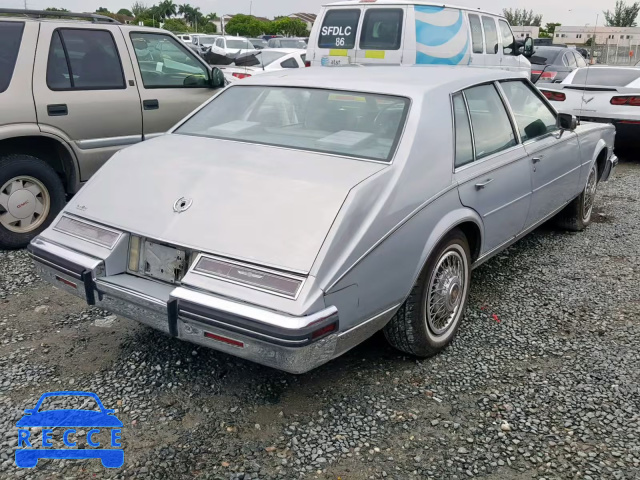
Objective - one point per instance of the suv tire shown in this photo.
(31, 195)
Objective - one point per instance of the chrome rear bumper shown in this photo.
(295, 344)
(609, 168)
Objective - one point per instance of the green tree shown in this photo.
(175, 25)
(102, 10)
(124, 11)
(244, 25)
(54, 9)
(167, 9)
(139, 9)
(292, 27)
(623, 15)
(590, 41)
(522, 17)
(549, 30)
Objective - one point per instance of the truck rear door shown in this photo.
(337, 37)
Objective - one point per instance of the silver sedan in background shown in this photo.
(296, 214)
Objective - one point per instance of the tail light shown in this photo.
(554, 96)
(307, 63)
(633, 101)
(241, 75)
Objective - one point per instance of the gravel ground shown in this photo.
(543, 381)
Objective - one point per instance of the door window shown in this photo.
(477, 41)
(165, 63)
(580, 62)
(507, 38)
(381, 29)
(290, 63)
(339, 29)
(10, 36)
(492, 129)
(570, 60)
(533, 117)
(84, 60)
(464, 144)
(490, 34)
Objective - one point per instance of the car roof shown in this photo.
(412, 81)
(286, 51)
(231, 37)
(406, 2)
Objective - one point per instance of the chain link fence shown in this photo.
(613, 54)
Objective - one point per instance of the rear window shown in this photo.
(339, 29)
(10, 36)
(351, 124)
(545, 55)
(240, 44)
(381, 29)
(606, 77)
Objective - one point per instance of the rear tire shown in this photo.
(577, 215)
(430, 317)
(31, 195)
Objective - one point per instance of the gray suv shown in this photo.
(74, 89)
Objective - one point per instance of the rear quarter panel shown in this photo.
(593, 138)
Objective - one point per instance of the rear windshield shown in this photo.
(10, 36)
(381, 29)
(240, 44)
(612, 77)
(352, 124)
(339, 29)
(289, 43)
(545, 55)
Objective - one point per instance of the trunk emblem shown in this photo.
(182, 204)
(587, 100)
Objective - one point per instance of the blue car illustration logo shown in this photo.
(27, 456)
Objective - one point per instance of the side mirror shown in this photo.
(527, 51)
(566, 121)
(217, 78)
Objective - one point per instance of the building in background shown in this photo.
(622, 36)
(308, 18)
(523, 32)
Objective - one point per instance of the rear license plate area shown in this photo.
(164, 263)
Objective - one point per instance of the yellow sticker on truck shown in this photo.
(375, 54)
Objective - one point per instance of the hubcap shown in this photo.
(24, 204)
(446, 291)
(590, 194)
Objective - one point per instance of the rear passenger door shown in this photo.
(84, 91)
(173, 81)
(491, 166)
(381, 35)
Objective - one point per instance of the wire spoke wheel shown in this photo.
(589, 195)
(24, 204)
(446, 291)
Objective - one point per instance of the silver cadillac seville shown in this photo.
(297, 213)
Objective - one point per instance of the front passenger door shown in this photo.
(554, 156)
(172, 80)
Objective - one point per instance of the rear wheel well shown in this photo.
(601, 161)
(48, 150)
(472, 232)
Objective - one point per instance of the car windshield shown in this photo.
(207, 40)
(611, 77)
(289, 43)
(240, 44)
(545, 55)
(352, 124)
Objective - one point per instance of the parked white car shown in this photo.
(228, 45)
(269, 59)
(601, 94)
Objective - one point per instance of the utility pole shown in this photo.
(595, 33)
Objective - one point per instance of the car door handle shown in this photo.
(57, 110)
(537, 159)
(151, 104)
(480, 186)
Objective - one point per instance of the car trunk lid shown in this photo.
(265, 205)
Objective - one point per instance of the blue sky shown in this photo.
(567, 12)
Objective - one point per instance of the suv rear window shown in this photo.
(339, 29)
(606, 77)
(381, 29)
(10, 36)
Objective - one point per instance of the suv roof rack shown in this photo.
(94, 17)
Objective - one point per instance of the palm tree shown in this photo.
(167, 8)
(185, 10)
(211, 17)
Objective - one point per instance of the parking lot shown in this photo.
(542, 381)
